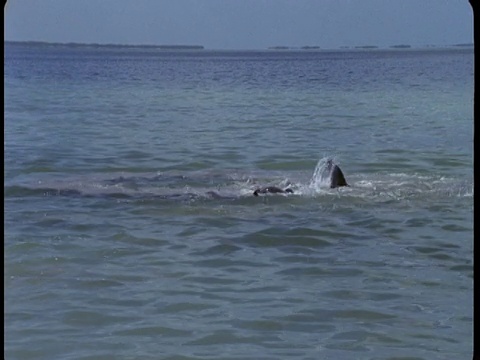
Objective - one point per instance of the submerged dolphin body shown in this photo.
(336, 175)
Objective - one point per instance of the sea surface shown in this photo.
(132, 232)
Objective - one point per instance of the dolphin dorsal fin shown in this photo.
(336, 177)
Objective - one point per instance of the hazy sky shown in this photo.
(242, 24)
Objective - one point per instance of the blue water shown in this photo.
(131, 231)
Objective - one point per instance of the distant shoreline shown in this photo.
(270, 48)
(113, 46)
(373, 47)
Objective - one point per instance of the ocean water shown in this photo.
(131, 231)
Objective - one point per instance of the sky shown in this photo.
(242, 24)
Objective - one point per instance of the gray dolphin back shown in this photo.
(336, 176)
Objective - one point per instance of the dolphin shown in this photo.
(272, 190)
(336, 175)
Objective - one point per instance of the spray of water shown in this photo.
(321, 175)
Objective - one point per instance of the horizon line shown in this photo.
(202, 47)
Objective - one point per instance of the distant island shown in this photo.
(401, 46)
(281, 47)
(112, 46)
(366, 47)
(463, 45)
(278, 48)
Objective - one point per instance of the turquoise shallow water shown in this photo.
(115, 246)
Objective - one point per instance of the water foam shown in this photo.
(320, 180)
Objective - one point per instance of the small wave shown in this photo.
(23, 191)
